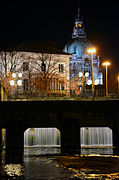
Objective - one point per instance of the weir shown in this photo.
(42, 137)
(99, 136)
(68, 116)
(51, 137)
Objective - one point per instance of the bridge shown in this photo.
(66, 115)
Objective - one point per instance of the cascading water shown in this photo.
(96, 136)
(42, 137)
(51, 137)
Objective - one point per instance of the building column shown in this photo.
(1, 138)
(70, 140)
(116, 140)
(14, 144)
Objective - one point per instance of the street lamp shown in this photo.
(118, 85)
(92, 51)
(106, 64)
(16, 82)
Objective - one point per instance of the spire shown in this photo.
(78, 14)
(78, 31)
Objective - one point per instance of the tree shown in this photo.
(43, 70)
(9, 63)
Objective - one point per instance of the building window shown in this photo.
(74, 49)
(0, 66)
(80, 25)
(26, 84)
(61, 85)
(43, 66)
(25, 66)
(61, 68)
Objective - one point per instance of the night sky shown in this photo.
(54, 20)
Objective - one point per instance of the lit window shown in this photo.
(61, 86)
(80, 25)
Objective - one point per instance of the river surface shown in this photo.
(39, 164)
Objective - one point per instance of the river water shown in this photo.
(39, 164)
(41, 160)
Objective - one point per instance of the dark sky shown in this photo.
(54, 20)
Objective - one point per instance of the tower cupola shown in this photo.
(78, 31)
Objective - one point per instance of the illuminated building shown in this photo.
(45, 69)
(81, 60)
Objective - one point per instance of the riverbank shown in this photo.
(91, 166)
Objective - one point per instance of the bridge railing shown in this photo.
(78, 95)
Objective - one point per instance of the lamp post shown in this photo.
(92, 51)
(16, 82)
(2, 92)
(118, 85)
(106, 64)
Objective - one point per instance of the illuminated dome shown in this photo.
(81, 59)
(78, 46)
(79, 43)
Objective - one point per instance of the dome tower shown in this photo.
(78, 31)
(81, 60)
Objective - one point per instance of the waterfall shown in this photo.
(42, 137)
(96, 136)
(51, 137)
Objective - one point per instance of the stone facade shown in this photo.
(42, 72)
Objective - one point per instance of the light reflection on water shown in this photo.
(101, 151)
(41, 151)
(45, 167)
(85, 174)
(13, 170)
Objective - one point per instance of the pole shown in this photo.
(92, 74)
(1, 130)
(118, 85)
(2, 93)
(106, 83)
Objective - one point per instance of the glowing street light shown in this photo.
(92, 51)
(16, 81)
(106, 64)
(12, 82)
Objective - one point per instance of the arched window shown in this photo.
(74, 49)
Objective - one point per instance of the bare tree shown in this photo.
(44, 72)
(9, 63)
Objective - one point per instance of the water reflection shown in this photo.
(35, 151)
(47, 167)
(13, 170)
(85, 174)
(94, 150)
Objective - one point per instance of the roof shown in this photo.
(37, 47)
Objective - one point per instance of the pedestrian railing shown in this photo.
(99, 94)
